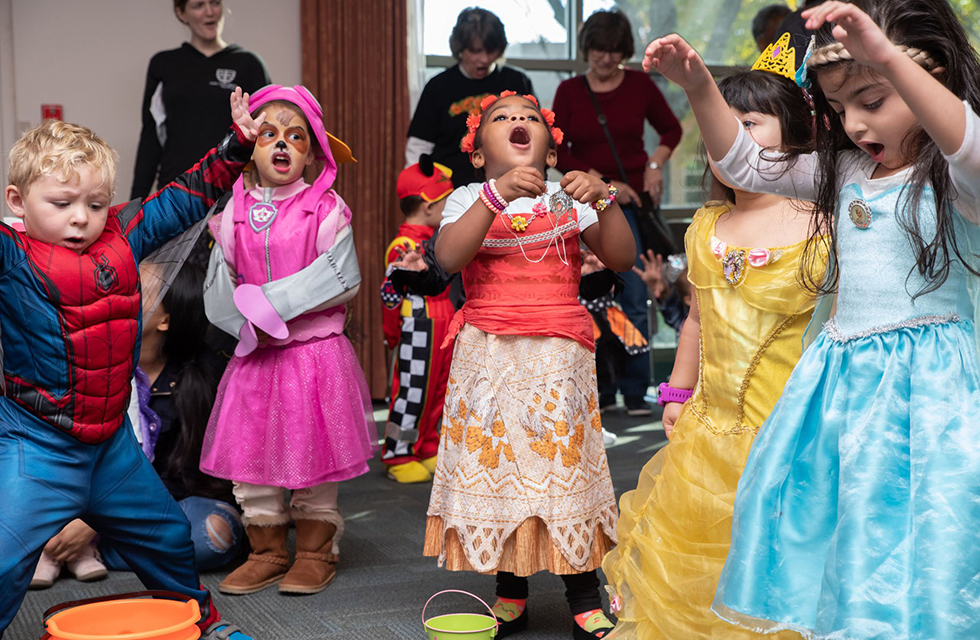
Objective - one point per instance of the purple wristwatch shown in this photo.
(667, 393)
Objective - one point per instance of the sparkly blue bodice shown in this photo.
(878, 274)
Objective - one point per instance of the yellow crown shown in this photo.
(778, 58)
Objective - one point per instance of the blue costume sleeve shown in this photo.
(10, 251)
(9, 248)
(168, 212)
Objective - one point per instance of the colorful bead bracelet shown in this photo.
(601, 205)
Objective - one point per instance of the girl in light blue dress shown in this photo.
(858, 514)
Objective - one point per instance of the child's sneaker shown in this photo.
(46, 573)
(87, 566)
(221, 630)
(591, 625)
(608, 437)
(409, 473)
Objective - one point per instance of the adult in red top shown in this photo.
(626, 98)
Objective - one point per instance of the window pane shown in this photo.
(682, 174)
(535, 28)
(721, 30)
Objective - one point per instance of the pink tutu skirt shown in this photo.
(294, 416)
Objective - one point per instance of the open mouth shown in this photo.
(74, 243)
(876, 150)
(281, 161)
(520, 137)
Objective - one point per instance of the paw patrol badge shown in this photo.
(261, 215)
(860, 214)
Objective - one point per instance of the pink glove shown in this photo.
(258, 312)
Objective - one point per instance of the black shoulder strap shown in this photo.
(605, 129)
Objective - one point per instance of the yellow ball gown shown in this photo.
(674, 529)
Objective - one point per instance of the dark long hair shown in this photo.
(929, 25)
(196, 383)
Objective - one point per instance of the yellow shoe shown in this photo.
(409, 473)
(430, 464)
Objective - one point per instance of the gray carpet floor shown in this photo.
(383, 581)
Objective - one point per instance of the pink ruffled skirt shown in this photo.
(294, 416)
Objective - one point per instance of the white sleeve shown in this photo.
(587, 216)
(964, 169)
(333, 278)
(219, 292)
(749, 167)
(459, 202)
(415, 147)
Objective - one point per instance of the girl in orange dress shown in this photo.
(522, 483)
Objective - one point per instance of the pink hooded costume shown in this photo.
(295, 411)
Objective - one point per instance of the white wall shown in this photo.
(91, 56)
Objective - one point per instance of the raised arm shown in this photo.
(677, 61)
(186, 200)
(741, 162)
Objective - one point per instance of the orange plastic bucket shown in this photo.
(130, 616)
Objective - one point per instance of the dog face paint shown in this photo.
(283, 148)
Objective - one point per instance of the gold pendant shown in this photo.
(733, 266)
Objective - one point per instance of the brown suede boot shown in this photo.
(316, 558)
(266, 565)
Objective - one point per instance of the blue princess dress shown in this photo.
(858, 514)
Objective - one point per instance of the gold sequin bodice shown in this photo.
(753, 315)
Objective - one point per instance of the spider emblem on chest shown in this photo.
(105, 274)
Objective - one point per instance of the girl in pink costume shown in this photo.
(293, 408)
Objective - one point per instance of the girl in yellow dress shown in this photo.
(749, 264)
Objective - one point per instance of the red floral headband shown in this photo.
(474, 119)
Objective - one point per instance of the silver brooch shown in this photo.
(860, 213)
(560, 203)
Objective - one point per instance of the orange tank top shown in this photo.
(527, 283)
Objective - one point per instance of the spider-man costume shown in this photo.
(70, 328)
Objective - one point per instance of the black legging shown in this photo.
(581, 590)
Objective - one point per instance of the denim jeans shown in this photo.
(634, 300)
(213, 546)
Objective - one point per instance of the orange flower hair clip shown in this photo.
(473, 120)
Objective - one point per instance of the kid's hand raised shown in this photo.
(854, 29)
(584, 187)
(677, 61)
(409, 259)
(241, 115)
(520, 182)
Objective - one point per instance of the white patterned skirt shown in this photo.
(522, 483)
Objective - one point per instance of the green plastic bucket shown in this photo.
(460, 626)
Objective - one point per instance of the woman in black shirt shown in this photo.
(185, 103)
